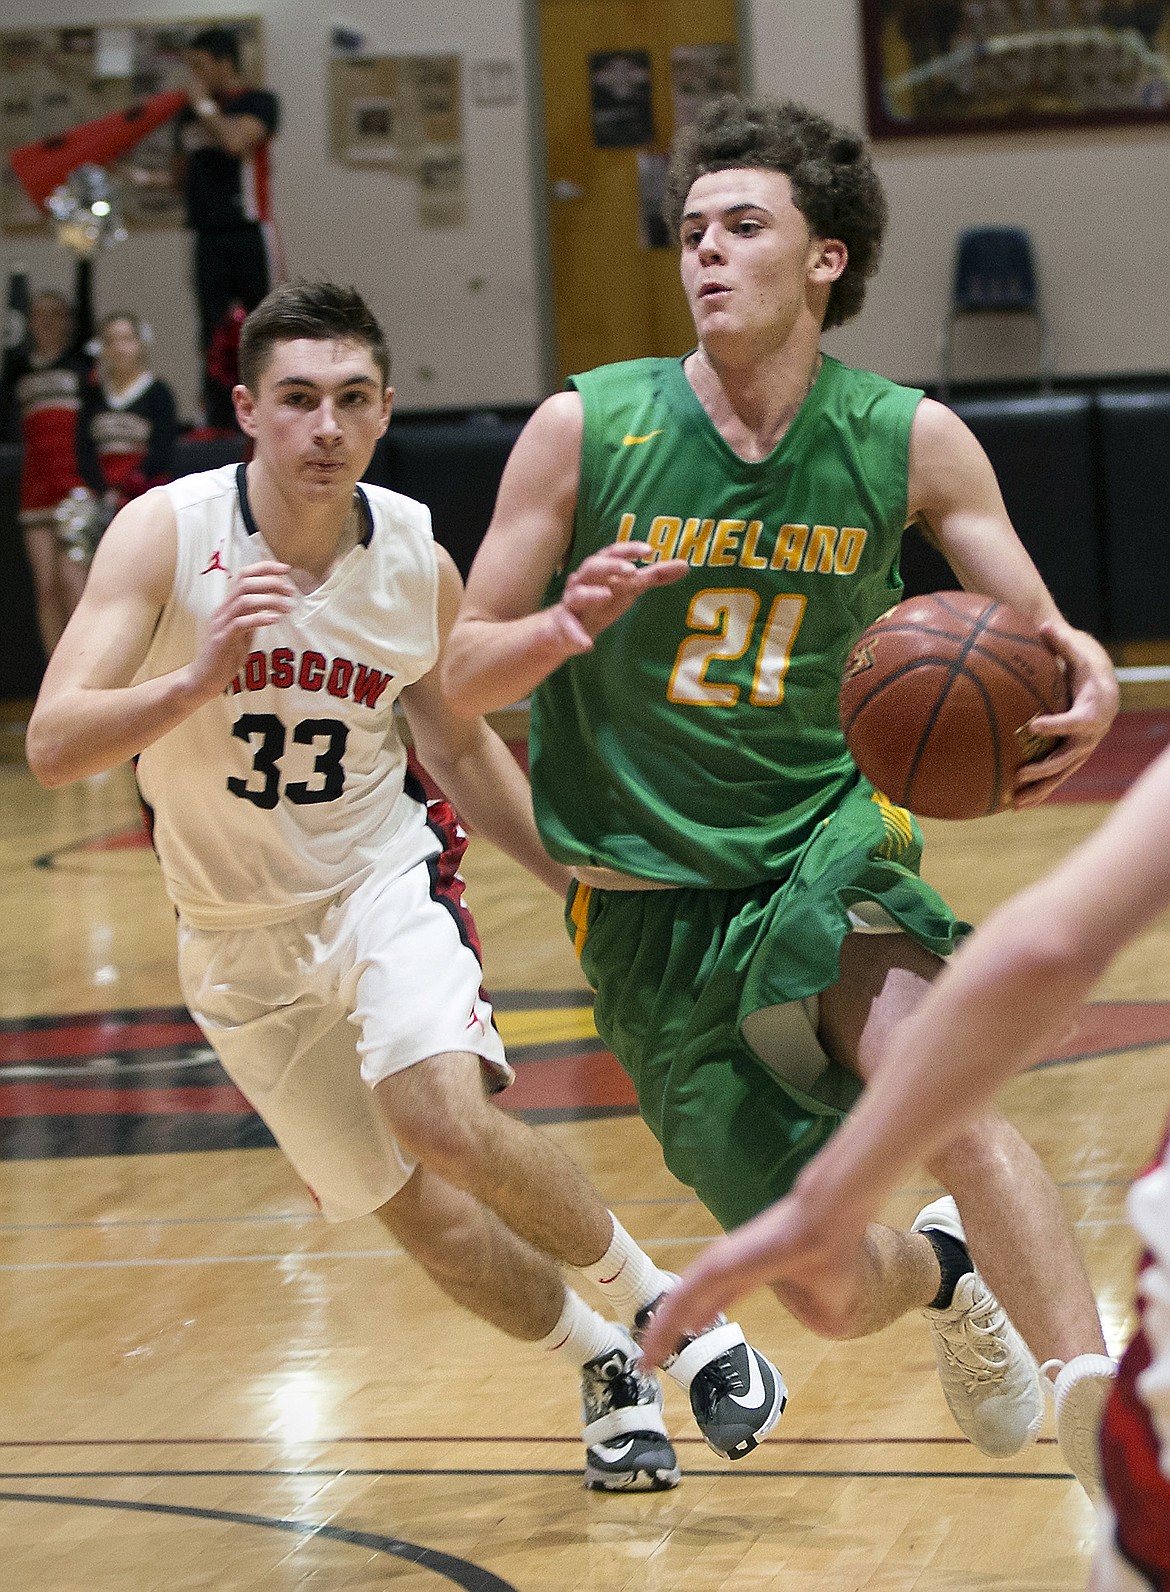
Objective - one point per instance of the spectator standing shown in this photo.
(222, 146)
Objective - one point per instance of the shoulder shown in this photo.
(258, 102)
(206, 487)
(396, 509)
(159, 397)
(623, 375)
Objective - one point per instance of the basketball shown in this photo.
(936, 701)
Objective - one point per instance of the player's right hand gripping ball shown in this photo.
(937, 699)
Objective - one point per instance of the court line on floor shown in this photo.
(471, 1577)
(282, 1257)
(519, 1470)
(462, 1438)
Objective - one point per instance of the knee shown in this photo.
(986, 1149)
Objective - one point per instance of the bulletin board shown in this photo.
(402, 113)
(52, 79)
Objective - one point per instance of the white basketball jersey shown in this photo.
(291, 786)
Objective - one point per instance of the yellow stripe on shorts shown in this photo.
(579, 913)
(898, 825)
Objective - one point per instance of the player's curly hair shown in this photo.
(834, 182)
(321, 311)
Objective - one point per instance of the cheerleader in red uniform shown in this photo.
(47, 380)
(127, 426)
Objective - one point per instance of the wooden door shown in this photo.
(613, 297)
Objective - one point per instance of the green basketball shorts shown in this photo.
(683, 977)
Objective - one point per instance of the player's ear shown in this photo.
(245, 406)
(830, 257)
(387, 407)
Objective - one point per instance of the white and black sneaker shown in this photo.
(626, 1446)
(737, 1396)
(989, 1379)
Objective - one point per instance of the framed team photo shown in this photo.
(978, 66)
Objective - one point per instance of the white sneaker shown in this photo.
(1079, 1390)
(991, 1383)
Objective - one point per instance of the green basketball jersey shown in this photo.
(699, 743)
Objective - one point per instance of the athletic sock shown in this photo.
(581, 1333)
(627, 1277)
(953, 1262)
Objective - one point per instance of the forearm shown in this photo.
(80, 731)
(492, 663)
(486, 785)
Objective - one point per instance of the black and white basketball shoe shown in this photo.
(626, 1445)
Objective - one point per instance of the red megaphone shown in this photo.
(44, 165)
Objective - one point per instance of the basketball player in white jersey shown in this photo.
(246, 633)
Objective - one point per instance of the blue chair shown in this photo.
(995, 274)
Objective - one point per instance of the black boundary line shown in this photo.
(462, 1438)
(340, 1472)
(471, 1577)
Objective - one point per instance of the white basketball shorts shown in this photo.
(307, 1015)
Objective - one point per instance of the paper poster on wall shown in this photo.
(698, 73)
(367, 122)
(402, 113)
(54, 79)
(619, 93)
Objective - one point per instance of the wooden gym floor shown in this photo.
(205, 1386)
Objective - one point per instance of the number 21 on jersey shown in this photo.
(727, 617)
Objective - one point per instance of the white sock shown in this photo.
(626, 1275)
(581, 1333)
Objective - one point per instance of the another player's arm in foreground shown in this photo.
(470, 762)
(1000, 1002)
(504, 643)
(89, 715)
(956, 497)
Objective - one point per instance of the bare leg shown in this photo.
(902, 1273)
(71, 577)
(439, 1114)
(474, 1258)
(1017, 1230)
(40, 544)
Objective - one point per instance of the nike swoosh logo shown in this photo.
(629, 441)
(754, 1398)
(613, 1454)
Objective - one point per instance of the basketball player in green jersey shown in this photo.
(682, 554)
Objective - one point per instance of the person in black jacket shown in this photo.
(127, 426)
(222, 144)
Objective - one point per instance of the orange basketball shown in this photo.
(936, 701)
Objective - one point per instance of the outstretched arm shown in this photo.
(504, 642)
(990, 1015)
(954, 494)
(470, 762)
(90, 714)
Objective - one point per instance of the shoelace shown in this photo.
(616, 1384)
(962, 1347)
(718, 1378)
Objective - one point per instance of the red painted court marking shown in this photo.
(1105, 1026)
(592, 1079)
(51, 1100)
(1132, 744)
(94, 1039)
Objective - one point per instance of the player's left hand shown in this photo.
(1094, 701)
